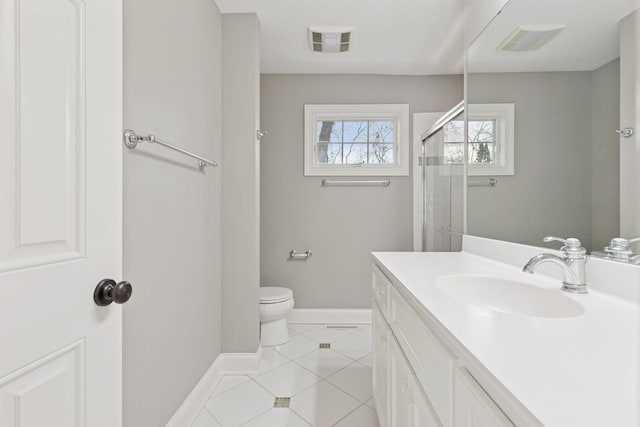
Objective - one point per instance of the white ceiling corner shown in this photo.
(405, 37)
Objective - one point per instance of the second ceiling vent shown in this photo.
(330, 39)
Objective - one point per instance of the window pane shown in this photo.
(454, 131)
(381, 131)
(355, 131)
(454, 153)
(481, 153)
(381, 154)
(355, 153)
(482, 130)
(329, 131)
(329, 153)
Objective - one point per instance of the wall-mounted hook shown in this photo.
(261, 133)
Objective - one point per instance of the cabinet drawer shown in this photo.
(381, 287)
(432, 362)
(473, 405)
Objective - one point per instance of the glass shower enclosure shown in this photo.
(443, 183)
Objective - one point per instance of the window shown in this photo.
(356, 140)
(490, 134)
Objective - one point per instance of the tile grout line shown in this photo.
(348, 332)
(323, 378)
(212, 416)
(313, 385)
(354, 410)
(264, 388)
(211, 396)
(259, 415)
(345, 391)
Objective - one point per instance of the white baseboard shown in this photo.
(330, 315)
(225, 364)
(195, 401)
(242, 363)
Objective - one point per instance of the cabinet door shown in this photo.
(400, 387)
(381, 335)
(422, 414)
(473, 406)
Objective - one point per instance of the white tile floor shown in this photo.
(327, 387)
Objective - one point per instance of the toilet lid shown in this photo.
(272, 294)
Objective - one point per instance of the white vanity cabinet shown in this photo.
(417, 380)
(473, 407)
(409, 405)
(381, 366)
(399, 398)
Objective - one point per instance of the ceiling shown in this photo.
(410, 37)
(590, 39)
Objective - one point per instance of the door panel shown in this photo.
(47, 392)
(60, 211)
(43, 132)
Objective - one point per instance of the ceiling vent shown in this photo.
(330, 39)
(530, 37)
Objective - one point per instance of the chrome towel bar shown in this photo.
(360, 182)
(490, 182)
(300, 256)
(131, 140)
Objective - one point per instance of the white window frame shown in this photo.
(504, 115)
(399, 113)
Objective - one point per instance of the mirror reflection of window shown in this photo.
(482, 142)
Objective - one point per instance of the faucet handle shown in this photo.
(570, 242)
(622, 243)
(572, 246)
(619, 247)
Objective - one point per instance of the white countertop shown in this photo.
(577, 371)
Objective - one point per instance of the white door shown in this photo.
(60, 212)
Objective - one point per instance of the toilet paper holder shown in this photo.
(299, 256)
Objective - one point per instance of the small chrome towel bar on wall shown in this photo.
(299, 256)
(360, 182)
(625, 133)
(491, 182)
(131, 140)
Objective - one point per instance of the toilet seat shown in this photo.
(274, 295)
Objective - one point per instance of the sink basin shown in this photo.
(509, 296)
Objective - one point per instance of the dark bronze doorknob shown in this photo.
(109, 291)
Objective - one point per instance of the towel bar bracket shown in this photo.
(131, 139)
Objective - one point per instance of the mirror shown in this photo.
(543, 94)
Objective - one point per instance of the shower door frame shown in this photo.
(438, 120)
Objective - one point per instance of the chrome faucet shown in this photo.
(572, 262)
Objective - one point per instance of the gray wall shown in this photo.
(341, 225)
(240, 183)
(557, 134)
(172, 76)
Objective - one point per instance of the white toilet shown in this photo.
(275, 304)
